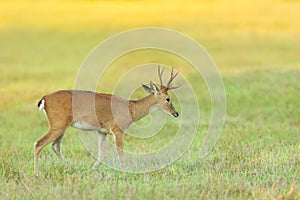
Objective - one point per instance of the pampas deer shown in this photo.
(104, 113)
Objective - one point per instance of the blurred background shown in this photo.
(43, 43)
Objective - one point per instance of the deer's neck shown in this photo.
(140, 108)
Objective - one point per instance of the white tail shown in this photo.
(104, 113)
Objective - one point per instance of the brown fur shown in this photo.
(104, 113)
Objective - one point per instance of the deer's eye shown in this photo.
(168, 100)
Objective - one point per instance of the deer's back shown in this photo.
(84, 109)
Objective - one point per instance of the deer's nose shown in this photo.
(176, 114)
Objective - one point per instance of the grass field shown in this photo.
(255, 44)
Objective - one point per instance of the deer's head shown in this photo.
(163, 101)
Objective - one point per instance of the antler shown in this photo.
(171, 79)
(160, 73)
(168, 86)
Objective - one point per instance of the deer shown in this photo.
(103, 113)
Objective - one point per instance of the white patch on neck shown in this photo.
(152, 108)
(162, 110)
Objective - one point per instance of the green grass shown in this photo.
(256, 47)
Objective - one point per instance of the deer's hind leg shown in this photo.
(56, 147)
(51, 136)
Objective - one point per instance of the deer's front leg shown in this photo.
(101, 149)
(119, 144)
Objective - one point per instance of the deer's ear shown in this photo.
(146, 88)
(154, 88)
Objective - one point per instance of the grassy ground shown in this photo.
(256, 47)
